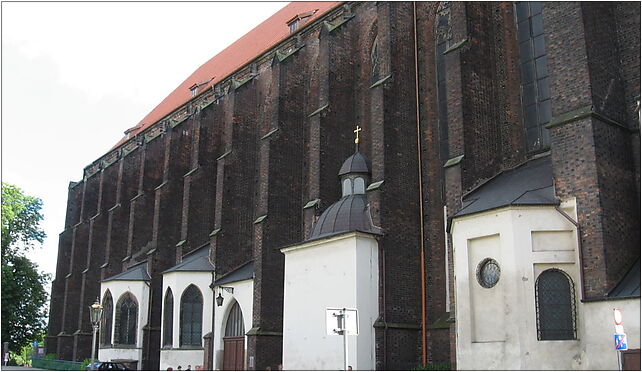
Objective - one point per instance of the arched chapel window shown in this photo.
(107, 318)
(536, 95)
(359, 186)
(191, 317)
(347, 187)
(126, 319)
(168, 316)
(555, 306)
(234, 326)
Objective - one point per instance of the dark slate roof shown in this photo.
(197, 261)
(528, 184)
(629, 286)
(347, 214)
(357, 163)
(242, 273)
(134, 273)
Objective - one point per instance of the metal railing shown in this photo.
(57, 365)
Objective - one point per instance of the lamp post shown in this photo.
(95, 312)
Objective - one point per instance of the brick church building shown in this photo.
(488, 216)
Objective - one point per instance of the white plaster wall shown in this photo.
(337, 272)
(106, 355)
(515, 345)
(178, 281)
(598, 350)
(529, 241)
(244, 295)
(140, 290)
(180, 357)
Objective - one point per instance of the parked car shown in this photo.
(107, 366)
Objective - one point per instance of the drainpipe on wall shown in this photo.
(421, 199)
(579, 249)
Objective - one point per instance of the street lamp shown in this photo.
(95, 312)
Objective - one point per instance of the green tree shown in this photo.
(24, 297)
(20, 221)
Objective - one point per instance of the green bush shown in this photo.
(50, 356)
(84, 363)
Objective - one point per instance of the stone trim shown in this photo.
(270, 133)
(318, 110)
(257, 331)
(191, 172)
(581, 113)
(312, 203)
(224, 155)
(456, 46)
(381, 81)
(260, 219)
(375, 185)
(454, 161)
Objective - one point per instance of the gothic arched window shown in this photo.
(191, 317)
(168, 316)
(107, 318)
(536, 95)
(234, 326)
(126, 320)
(555, 306)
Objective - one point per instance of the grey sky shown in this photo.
(76, 75)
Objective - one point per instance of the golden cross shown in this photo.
(356, 140)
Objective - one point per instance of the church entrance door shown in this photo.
(233, 353)
(234, 340)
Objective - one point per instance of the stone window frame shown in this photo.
(565, 307)
(191, 317)
(130, 300)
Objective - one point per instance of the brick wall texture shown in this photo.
(219, 170)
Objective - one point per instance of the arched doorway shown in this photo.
(234, 340)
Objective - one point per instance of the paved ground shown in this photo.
(15, 368)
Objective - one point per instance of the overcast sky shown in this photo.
(76, 75)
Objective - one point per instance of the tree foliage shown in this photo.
(24, 297)
(20, 221)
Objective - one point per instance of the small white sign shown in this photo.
(335, 323)
(617, 316)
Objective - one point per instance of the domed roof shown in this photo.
(357, 163)
(347, 214)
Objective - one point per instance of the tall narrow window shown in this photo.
(107, 318)
(126, 319)
(555, 306)
(191, 317)
(443, 35)
(536, 95)
(234, 326)
(168, 316)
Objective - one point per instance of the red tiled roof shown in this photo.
(251, 45)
